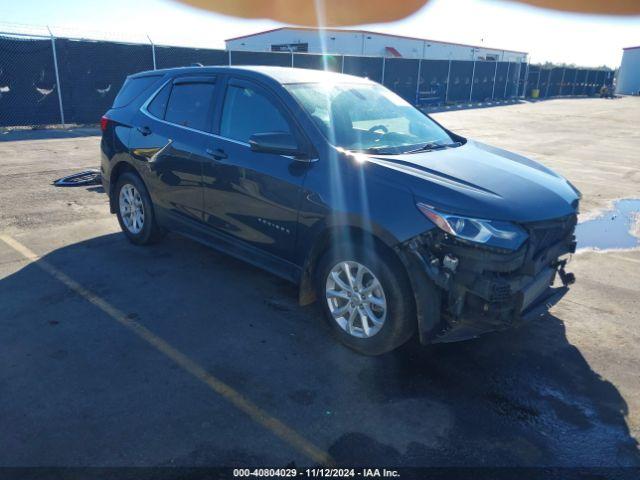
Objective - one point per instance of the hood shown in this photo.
(481, 181)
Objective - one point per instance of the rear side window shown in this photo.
(190, 105)
(132, 88)
(247, 111)
(158, 105)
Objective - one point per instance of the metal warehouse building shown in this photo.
(629, 73)
(365, 43)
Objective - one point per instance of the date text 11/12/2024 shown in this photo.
(316, 472)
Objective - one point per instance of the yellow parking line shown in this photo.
(234, 397)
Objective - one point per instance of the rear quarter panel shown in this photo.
(114, 144)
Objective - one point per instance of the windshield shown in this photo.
(369, 118)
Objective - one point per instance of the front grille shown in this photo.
(542, 235)
(500, 292)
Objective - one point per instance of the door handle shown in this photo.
(144, 130)
(218, 153)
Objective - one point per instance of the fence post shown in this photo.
(495, 73)
(55, 66)
(153, 52)
(586, 83)
(546, 92)
(446, 91)
(229, 57)
(473, 74)
(506, 80)
(383, 67)
(564, 70)
(418, 81)
(525, 84)
(573, 87)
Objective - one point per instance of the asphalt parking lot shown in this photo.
(116, 355)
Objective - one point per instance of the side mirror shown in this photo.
(278, 143)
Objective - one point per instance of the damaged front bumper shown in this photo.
(463, 290)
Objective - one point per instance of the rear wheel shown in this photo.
(367, 299)
(135, 210)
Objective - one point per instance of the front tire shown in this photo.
(366, 298)
(135, 211)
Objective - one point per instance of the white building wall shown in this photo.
(629, 73)
(347, 42)
(374, 45)
(369, 44)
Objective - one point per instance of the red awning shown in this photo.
(392, 52)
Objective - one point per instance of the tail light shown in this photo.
(104, 121)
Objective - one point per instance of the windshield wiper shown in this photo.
(433, 146)
(393, 150)
(380, 150)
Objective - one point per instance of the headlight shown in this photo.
(488, 232)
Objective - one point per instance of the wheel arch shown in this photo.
(335, 235)
(118, 169)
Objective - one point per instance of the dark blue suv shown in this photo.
(394, 223)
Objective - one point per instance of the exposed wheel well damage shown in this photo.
(333, 236)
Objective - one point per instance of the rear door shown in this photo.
(170, 137)
(253, 197)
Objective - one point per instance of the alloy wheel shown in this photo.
(131, 208)
(356, 299)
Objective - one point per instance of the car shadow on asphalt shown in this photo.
(525, 397)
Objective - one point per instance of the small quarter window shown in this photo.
(158, 105)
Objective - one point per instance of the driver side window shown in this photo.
(247, 111)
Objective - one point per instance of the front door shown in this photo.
(253, 197)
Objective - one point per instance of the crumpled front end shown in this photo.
(464, 289)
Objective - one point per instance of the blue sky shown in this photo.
(548, 36)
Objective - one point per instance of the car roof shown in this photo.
(282, 75)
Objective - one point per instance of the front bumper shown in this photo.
(463, 290)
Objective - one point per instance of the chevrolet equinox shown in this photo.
(397, 225)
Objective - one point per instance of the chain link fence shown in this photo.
(28, 85)
(50, 80)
